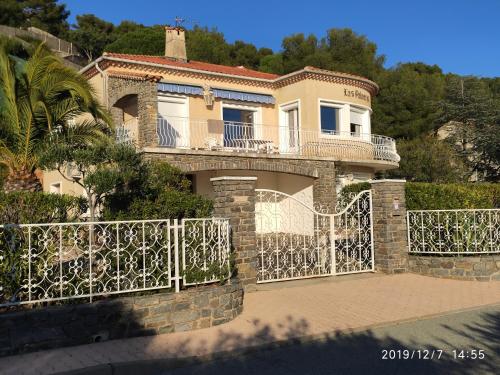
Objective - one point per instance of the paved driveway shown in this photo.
(280, 312)
(417, 347)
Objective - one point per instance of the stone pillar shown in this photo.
(324, 194)
(389, 226)
(235, 200)
(147, 105)
(117, 116)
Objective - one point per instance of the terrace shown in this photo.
(242, 137)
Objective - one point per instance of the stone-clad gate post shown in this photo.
(389, 226)
(235, 200)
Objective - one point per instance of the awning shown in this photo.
(180, 89)
(243, 96)
(218, 93)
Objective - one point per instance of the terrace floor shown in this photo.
(317, 308)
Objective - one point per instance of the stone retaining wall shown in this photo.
(115, 318)
(479, 268)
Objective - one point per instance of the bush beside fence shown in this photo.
(430, 196)
(36, 207)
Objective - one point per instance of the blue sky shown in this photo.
(461, 36)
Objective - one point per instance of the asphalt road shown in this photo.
(362, 352)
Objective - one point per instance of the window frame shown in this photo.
(364, 124)
(257, 114)
(53, 184)
(337, 106)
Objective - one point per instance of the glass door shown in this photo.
(173, 122)
(289, 131)
(238, 128)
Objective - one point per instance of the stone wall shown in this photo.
(389, 226)
(323, 171)
(479, 268)
(115, 318)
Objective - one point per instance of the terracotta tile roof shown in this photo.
(197, 65)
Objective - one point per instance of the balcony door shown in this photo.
(173, 121)
(289, 128)
(238, 127)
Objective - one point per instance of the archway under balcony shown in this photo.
(125, 112)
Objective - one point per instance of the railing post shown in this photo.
(176, 256)
(91, 235)
(29, 263)
(333, 255)
(60, 262)
(117, 256)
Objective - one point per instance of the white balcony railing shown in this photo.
(218, 135)
(127, 131)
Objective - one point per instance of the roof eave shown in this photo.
(263, 80)
(128, 61)
(88, 66)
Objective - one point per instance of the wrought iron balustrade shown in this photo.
(219, 135)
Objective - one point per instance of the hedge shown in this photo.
(431, 196)
(36, 207)
(169, 204)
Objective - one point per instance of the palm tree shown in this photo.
(41, 99)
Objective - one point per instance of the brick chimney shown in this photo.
(175, 43)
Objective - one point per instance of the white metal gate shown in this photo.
(296, 241)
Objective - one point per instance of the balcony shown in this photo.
(239, 137)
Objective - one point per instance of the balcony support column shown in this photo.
(324, 194)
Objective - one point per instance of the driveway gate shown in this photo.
(296, 241)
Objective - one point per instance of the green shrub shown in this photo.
(169, 204)
(429, 196)
(354, 189)
(27, 207)
(161, 192)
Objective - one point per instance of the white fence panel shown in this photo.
(454, 231)
(52, 262)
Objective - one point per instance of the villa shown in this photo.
(306, 132)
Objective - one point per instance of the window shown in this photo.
(55, 188)
(355, 130)
(357, 116)
(329, 119)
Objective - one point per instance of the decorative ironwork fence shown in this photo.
(51, 262)
(296, 241)
(454, 231)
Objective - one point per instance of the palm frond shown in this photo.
(42, 102)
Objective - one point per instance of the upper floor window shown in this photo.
(55, 188)
(329, 117)
(357, 121)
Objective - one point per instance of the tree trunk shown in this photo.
(21, 181)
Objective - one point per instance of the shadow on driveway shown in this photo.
(341, 353)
